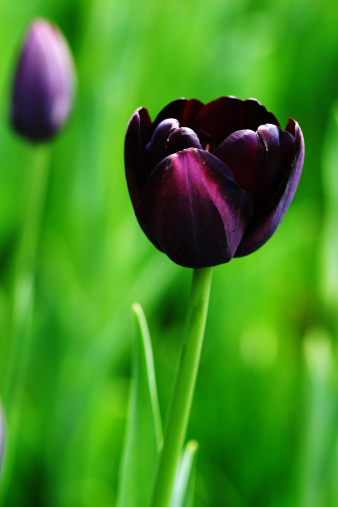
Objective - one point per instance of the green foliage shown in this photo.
(184, 488)
(144, 434)
(262, 405)
(330, 189)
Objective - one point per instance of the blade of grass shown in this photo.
(144, 434)
(184, 487)
(318, 436)
(329, 275)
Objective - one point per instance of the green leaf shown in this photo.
(329, 275)
(184, 488)
(144, 434)
(319, 434)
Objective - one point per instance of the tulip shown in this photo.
(211, 182)
(43, 88)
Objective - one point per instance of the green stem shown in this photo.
(19, 334)
(179, 410)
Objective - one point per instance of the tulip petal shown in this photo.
(169, 138)
(226, 115)
(242, 153)
(255, 114)
(180, 139)
(138, 131)
(182, 109)
(190, 111)
(297, 160)
(265, 223)
(278, 146)
(195, 209)
(153, 149)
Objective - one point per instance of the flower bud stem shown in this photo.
(19, 333)
(179, 409)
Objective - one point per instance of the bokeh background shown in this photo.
(265, 411)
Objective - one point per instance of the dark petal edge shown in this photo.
(183, 110)
(266, 224)
(138, 129)
(137, 134)
(226, 115)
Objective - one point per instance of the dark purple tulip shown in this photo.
(211, 182)
(43, 88)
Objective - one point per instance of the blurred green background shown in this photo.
(266, 406)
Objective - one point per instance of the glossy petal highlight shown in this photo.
(169, 138)
(196, 210)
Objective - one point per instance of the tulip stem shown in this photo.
(181, 400)
(19, 333)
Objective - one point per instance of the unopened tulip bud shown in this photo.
(43, 88)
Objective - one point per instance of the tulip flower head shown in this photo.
(211, 182)
(43, 88)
